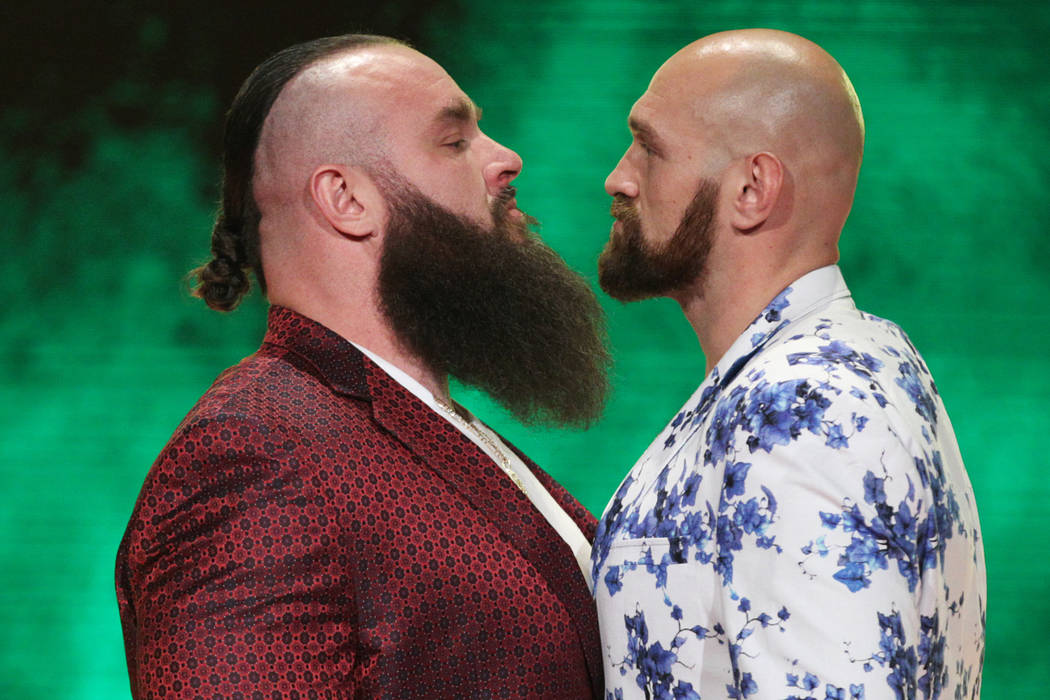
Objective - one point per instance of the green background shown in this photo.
(108, 171)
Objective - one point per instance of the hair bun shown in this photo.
(222, 283)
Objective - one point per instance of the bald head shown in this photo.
(739, 178)
(758, 90)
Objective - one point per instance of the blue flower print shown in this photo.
(813, 462)
(653, 663)
(769, 415)
(838, 354)
(735, 476)
(836, 439)
(779, 303)
(726, 419)
(924, 403)
(612, 580)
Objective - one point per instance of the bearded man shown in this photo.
(326, 521)
(804, 526)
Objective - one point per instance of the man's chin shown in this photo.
(616, 290)
(516, 225)
(624, 295)
(625, 278)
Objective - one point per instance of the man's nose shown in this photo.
(620, 182)
(503, 166)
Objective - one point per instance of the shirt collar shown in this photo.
(813, 290)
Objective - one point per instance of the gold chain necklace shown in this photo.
(503, 463)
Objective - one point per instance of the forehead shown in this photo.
(659, 115)
(681, 103)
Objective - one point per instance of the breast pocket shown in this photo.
(657, 606)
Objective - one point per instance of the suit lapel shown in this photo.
(580, 515)
(585, 612)
(466, 468)
(457, 460)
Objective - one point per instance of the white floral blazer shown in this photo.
(803, 528)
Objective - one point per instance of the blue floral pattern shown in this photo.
(803, 528)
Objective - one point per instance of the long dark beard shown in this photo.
(629, 269)
(496, 309)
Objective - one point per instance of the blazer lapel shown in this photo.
(462, 464)
(457, 460)
(585, 612)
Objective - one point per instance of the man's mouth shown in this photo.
(507, 201)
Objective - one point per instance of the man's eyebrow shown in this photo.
(643, 129)
(460, 111)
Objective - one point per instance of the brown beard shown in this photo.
(495, 308)
(629, 269)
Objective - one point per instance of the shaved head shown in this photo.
(333, 111)
(374, 110)
(759, 90)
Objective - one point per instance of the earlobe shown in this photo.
(344, 197)
(757, 190)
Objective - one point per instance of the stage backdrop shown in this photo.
(108, 172)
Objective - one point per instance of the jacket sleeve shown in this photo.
(231, 577)
(829, 603)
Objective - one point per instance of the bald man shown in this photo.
(804, 526)
(326, 521)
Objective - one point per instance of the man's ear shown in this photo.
(348, 199)
(756, 189)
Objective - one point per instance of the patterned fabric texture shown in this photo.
(803, 528)
(313, 530)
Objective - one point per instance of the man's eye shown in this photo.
(458, 145)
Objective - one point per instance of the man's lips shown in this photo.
(507, 202)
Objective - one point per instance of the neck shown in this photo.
(716, 324)
(721, 307)
(386, 346)
(337, 287)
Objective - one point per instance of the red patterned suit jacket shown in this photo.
(313, 529)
